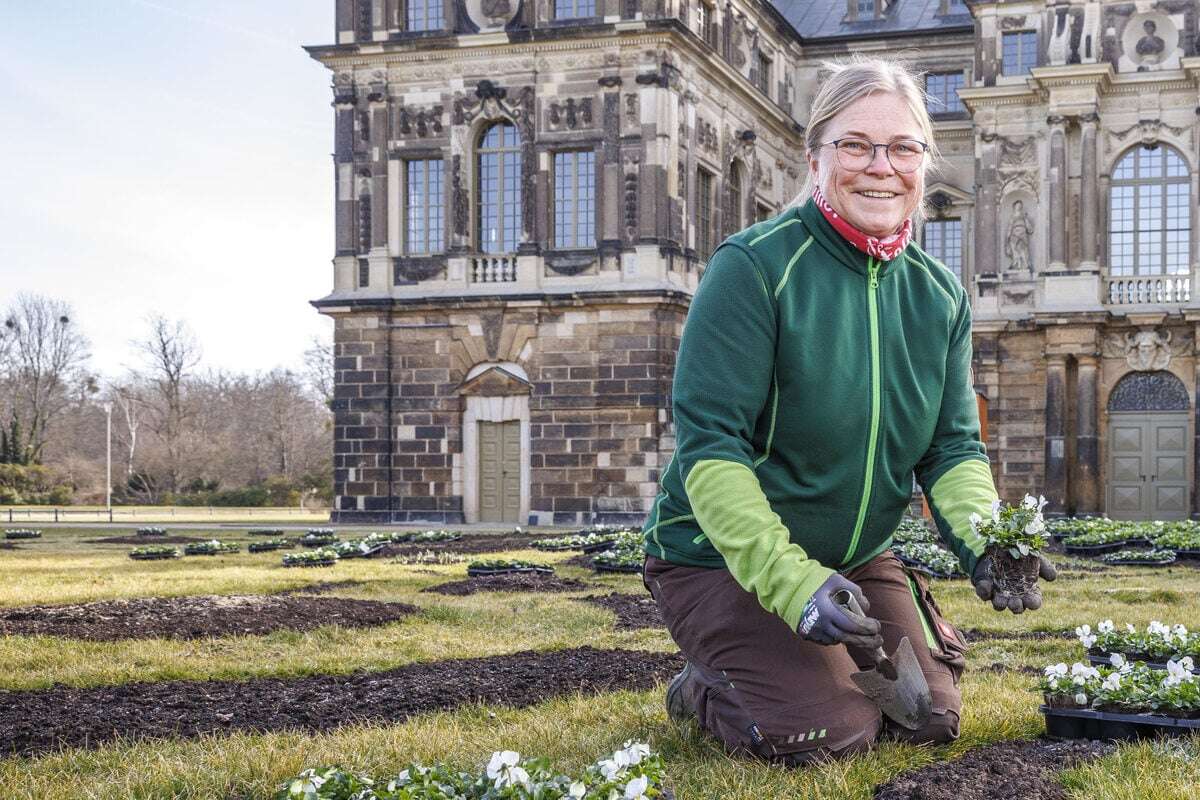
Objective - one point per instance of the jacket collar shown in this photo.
(834, 243)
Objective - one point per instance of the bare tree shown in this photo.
(318, 363)
(171, 352)
(130, 399)
(42, 354)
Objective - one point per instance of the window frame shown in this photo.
(960, 255)
(765, 65)
(503, 202)
(586, 220)
(1022, 67)
(575, 15)
(952, 103)
(705, 188)
(1137, 248)
(706, 22)
(426, 6)
(434, 216)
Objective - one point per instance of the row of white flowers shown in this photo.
(633, 772)
(1158, 641)
(1124, 686)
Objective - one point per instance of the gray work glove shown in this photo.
(1032, 600)
(825, 622)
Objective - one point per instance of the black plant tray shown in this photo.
(326, 563)
(22, 536)
(259, 547)
(1138, 562)
(1100, 549)
(922, 567)
(321, 542)
(367, 554)
(151, 556)
(480, 572)
(632, 568)
(1187, 555)
(554, 548)
(1101, 659)
(598, 547)
(1072, 723)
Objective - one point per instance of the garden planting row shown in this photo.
(22, 533)
(1134, 543)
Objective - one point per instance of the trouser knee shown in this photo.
(941, 729)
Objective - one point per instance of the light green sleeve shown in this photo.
(965, 488)
(734, 513)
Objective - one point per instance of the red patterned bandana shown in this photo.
(883, 249)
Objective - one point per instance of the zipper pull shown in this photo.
(873, 272)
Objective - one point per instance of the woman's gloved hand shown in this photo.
(986, 589)
(825, 622)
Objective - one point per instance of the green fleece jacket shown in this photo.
(812, 381)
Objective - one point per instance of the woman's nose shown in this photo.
(880, 165)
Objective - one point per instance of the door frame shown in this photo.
(492, 409)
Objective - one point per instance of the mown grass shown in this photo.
(572, 731)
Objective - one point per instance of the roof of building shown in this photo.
(819, 19)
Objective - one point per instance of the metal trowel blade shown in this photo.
(905, 700)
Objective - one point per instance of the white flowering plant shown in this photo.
(1124, 686)
(1157, 642)
(425, 537)
(211, 548)
(913, 530)
(1019, 530)
(1156, 556)
(931, 557)
(633, 772)
(311, 558)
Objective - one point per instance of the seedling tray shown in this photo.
(1187, 555)
(152, 556)
(554, 548)
(329, 562)
(1071, 723)
(921, 567)
(1139, 562)
(366, 553)
(263, 547)
(23, 535)
(598, 547)
(1101, 659)
(1100, 549)
(631, 568)
(482, 572)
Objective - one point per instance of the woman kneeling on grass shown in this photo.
(825, 358)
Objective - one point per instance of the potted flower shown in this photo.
(210, 548)
(425, 537)
(311, 558)
(913, 530)
(1156, 645)
(319, 536)
(1014, 538)
(153, 553)
(1103, 540)
(1123, 700)
(1185, 541)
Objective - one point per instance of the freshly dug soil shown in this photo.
(585, 560)
(36, 722)
(8, 546)
(513, 582)
(1020, 770)
(469, 544)
(322, 587)
(146, 540)
(976, 635)
(633, 611)
(196, 617)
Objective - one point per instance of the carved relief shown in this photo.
(493, 324)
(425, 122)
(460, 200)
(1146, 348)
(1148, 131)
(1018, 166)
(492, 14)
(419, 269)
(631, 110)
(632, 165)
(737, 42)
(1149, 42)
(570, 115)
(706, 135)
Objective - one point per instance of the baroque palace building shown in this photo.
(527, 191)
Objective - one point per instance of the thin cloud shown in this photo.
(216, 23)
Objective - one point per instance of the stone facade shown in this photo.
(693, 117)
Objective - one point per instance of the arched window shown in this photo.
(1149, 213)
(498, 197)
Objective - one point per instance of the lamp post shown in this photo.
(108, 457)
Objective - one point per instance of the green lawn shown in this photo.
(572, 731)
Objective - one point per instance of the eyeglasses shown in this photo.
(905, 155)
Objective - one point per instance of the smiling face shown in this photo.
(878, 199)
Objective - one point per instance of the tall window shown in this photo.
(1018, 52)
(704, 213)
(1149, 226)
(575, 199)
(499, 198)
(941, 92)
(423, 204)
(424, 15)
(943, 241)
(567, 9)
(705, 24)
(764, 74)
(735, 223)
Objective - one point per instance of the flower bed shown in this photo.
(265, 532)
(317, 537)
(504, 566)
(1144, 558)
(588, 543)
(929, 558)
(1104, 540)
(153, 553)
(425, 537)
(151, 531)
(913, 530)
(632, 773)
(361, 548)
(626, 554)
(267, 545)
(211, 548)
(1156, 646)
(325, 557)
(22, 533)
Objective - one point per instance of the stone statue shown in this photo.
(1016, 243)
(1151, 47)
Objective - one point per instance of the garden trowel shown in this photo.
(896, 684)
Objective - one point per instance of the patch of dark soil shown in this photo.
(8, 546)
(1019, 770)
(36, 722)
(196, 617)
(147, 540)
(469, 544)
(321, 588)
(585, 560)
(976, 635)
(633, 611)
(513, 582)
(1002, 669)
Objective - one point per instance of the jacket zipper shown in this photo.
(873, 314)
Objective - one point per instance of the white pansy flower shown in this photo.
(975, 520)
(1112, 682)
(1056, 670)
(1035, 526)
(636, 788)
(610, 769)
(403, 776)
(1086, 637)
(504, 771)
(1105, 627)
(1117, 660)
(1029, 502)
(1156, 628)
(996, 510)
(576, 790)
(1041, 503)
(1081, 699)
(636, 751)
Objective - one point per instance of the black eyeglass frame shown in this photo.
(874, 147)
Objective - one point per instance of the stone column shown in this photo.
(1086, 478)
(1196, 443)
(1089, 195)
(986, 204)
(1057, 175)
(1054, 485)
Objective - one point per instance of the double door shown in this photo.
(1147, 469)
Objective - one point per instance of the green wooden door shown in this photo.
(500, 471)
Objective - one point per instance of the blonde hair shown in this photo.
(852, 80)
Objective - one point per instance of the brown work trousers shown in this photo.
(761, 689)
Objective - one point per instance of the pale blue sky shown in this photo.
(170, 156)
